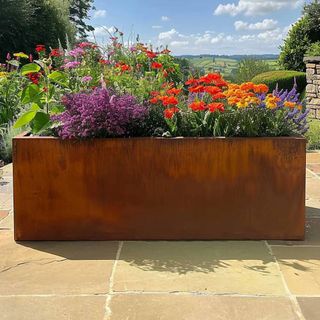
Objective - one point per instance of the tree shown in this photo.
(249, 68)
(26, 23)
(79, 12)
(302, 34)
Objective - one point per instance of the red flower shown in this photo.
(125, 67)
(151, 54)
(192, 82)
(220, 83)
(55, 53)
(212, 90)
(34, 77)
(174, 91)
(210, 78)
(169, 113)
(165, 73)
(154, 93)
(154, 100)
(40, 48)
(169, 100)
(103, 61)
(198, 106)
(218, 96)
(156, 65)
(215, 106)
(197, 89)
(85, 45)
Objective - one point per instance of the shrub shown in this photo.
(302, 34)
(313, 135)
(100, 113)
(248, 68)
(314, 50)
(285, 79)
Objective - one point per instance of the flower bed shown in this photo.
(87, 96)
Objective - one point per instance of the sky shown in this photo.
(200, 27)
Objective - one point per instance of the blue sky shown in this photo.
(200, 27)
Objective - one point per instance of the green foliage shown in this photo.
(285, 79)
(6, 143)
(26, 23)
(248, 68)
(313, 135)
(295, 46)
(314, 50)
(303, 33)
(79, 13)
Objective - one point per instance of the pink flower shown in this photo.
(86, 79)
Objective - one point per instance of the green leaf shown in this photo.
(40, 122)
(57, 109)
(31, 94)
(30, 68)
(27, 116)
(58, 77)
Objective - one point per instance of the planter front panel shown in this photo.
(163, 189)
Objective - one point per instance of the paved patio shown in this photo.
(217, 280)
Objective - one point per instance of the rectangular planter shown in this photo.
(159, 189)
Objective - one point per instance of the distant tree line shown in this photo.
(26, 23)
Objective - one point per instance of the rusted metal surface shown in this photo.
(163, 189)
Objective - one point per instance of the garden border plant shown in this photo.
(118, 167)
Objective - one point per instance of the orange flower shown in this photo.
(260, 88)
(174, 91)
(156, 65)
(212, 90)
(165, 51)
(170, 112)
(198, 106)
(289, 104)
(247, 86)
(215, 106)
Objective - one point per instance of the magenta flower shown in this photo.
(76, 52)
(71, 65)
(86, 79)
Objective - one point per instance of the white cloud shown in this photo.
(210, 42)
(165, 18)
(168, 35)
(179, 43)
(255, 7)
(266, 24)
(99, 14)
(156, 27)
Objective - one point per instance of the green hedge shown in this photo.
(284, 79)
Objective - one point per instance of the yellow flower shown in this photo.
(242, 104)
(3, 74)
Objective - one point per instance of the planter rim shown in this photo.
(25, 135)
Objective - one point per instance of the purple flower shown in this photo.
(71, 65)
(86, 79)
(100, 113)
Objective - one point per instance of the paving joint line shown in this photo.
(108, 311)
(313, 173)
(293, 299)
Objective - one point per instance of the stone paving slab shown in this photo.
(300, 267)
(55, 267)
(52, 308)
(188, 307)
(241, 267)
(310, 308)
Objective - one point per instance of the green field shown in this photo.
(227, 67)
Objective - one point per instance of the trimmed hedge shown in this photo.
(284, 79)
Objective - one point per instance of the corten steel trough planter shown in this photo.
(159, 189)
